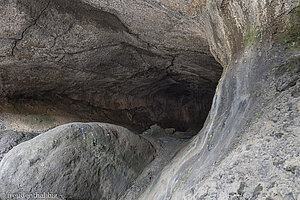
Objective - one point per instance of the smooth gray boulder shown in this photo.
(77, 161)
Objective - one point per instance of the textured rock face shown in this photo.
(77, 161)
(250, 151)
(249, 146)
(9, 139)
(149, 61)
(136, 63)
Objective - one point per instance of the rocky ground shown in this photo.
(144, 62)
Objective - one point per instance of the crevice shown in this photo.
(27, 28)
(172, 63)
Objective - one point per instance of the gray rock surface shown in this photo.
(136, 63)
(166, 148)
(249, 146)
(9, 139)
(154, 61)
(77, 161)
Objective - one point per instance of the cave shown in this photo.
(69, 52)
(149, 99)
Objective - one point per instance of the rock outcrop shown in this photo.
(148, 62)
(76, 161)
(249, 146)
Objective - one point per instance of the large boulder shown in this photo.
(9, 139)
(77, 161)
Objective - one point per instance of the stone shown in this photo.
(147, 62)
(155, 131)
(170, 131)
(9, 139)
(77, 161)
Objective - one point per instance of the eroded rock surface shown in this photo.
(154, 61)
(249, 146)
(78, 161)
(136, 63)
(250, 151)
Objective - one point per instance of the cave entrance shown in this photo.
(178, 97)
(75, 62)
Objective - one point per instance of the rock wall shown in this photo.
(147, 61)
(249, 146)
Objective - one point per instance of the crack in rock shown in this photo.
(27, 28)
